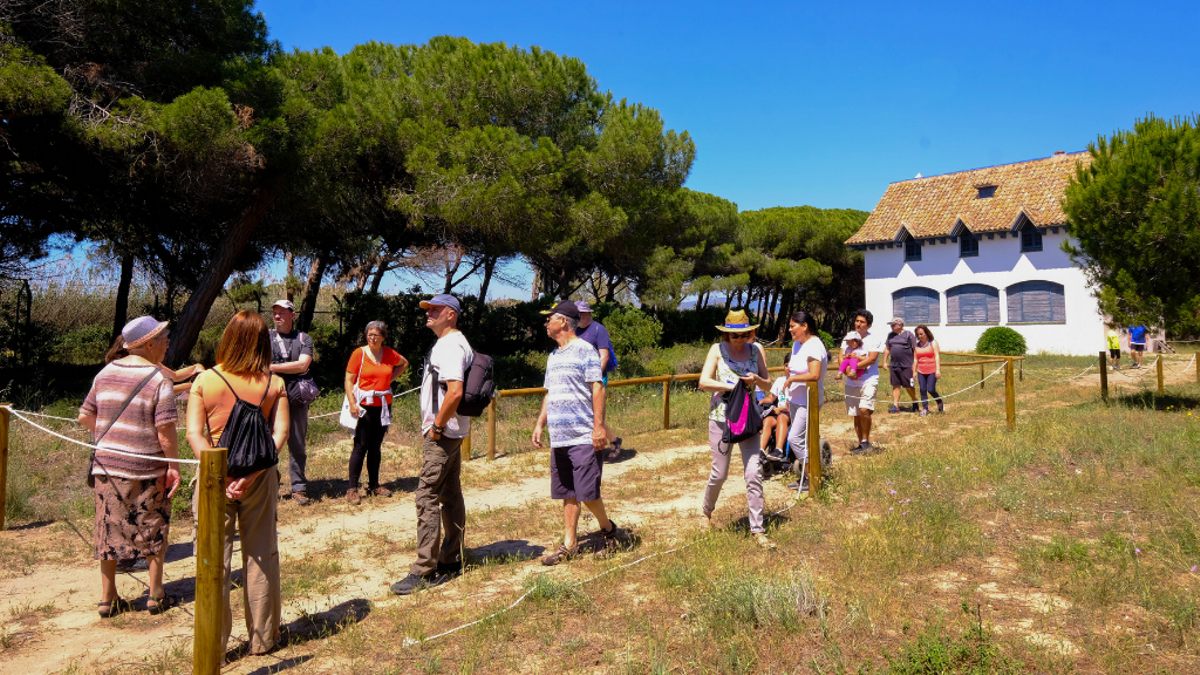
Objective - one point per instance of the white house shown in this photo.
(964, 251)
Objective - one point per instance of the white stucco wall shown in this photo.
(1000, 264)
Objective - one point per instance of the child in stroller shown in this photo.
(775, 420)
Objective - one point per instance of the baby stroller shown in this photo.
(782, 460)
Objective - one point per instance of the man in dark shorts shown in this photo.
(573, 409)
(595, 334)
(901, 346)
(1137, 344)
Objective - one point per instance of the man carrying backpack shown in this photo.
(439, 494)
(291, 356)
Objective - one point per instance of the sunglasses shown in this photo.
(739, 336)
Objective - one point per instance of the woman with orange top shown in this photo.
(242, 372)
(929, 369)
(369, 377)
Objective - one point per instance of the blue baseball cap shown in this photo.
(443, 300)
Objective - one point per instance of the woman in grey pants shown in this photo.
(735, 357)
(807, 364)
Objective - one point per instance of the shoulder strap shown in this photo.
(137, 390)
(266, 391)
(229, 385)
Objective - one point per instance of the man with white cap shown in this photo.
(595, 334)
(291, 356)
(898, 355)
(441, 510)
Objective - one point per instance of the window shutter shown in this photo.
(973, 303)
(917, 305)
(1036, 302)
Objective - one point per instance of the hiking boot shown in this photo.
(301, 498)
(448, 571)
(868, 449)
(916, 408)
(352, 497)
(763, 541)
(413, 583)
(381, 492)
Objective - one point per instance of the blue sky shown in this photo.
(826, 103)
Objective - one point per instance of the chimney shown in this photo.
(1059, 152)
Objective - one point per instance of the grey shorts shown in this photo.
(575, 473)
(902, 376)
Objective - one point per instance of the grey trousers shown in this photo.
(798, 434)
(298, 445)
(751, 471)
(441, 511)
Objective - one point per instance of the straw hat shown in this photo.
(736, 321)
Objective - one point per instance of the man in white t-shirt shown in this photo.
(439, 494)
(860, 394)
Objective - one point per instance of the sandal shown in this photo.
(162, 604)
(109, 609)
(563, 554)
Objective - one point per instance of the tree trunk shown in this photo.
(121, 315)
(191, 319)
(610, 293)
(785, 309)
(377, 280)
(771, 308)
(536, 286)
(291, 272)
(489, 267)
(312, 289)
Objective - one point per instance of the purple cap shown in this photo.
(443, 300)
(583, 307)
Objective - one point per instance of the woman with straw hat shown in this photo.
(735, 357)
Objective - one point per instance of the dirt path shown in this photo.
(48, 616)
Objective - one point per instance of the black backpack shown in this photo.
(479, 387)
(247, 434)
(743, 418)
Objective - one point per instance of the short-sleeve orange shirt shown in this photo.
(219, 400)
(374, 376)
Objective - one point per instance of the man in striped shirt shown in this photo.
(573, 409)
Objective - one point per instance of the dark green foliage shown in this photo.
(631, 329)
(86, 345)
(1000, 341)
(689, 325)
(1134, 215)
(827, 340)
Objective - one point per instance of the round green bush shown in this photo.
(1000, 341)
(631, 330)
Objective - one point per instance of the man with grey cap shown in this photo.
(573, 410)
(898, 355)
(291, 356)
(595, 334)
(441, 510)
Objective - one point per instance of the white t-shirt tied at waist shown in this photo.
(813, 349)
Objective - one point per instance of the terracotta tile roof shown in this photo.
(929, 207)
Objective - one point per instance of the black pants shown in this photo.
(368, 436)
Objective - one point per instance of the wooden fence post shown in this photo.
(1158, 367)
(3, 461)
(981, 380)
(814, 438)
(492, 429)
(466, 448)
(667, 405)
(1021, 371)
(1104, 376)
(1010, 395)
(210, 562)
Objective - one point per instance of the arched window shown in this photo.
(1036, 302)
(973, 303)
(917, 305)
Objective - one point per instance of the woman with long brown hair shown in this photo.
(242, 372)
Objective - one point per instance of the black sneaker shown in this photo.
(447, 571)
(861, 448)
(413, 583)
(868, 449)
(916, 408)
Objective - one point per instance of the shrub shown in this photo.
(1000, 341)
(631, 330)
(827, 340)
(85, 345)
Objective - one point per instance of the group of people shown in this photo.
(132, 414)
(1137, 346)
(131, 410)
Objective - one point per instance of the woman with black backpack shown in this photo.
(245, 409)
(734, 368)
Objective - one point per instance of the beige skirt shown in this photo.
(133, 518)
